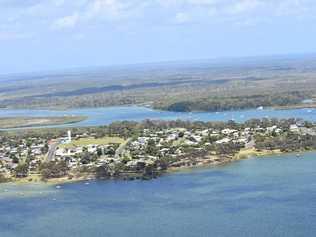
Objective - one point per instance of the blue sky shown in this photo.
(39, 35)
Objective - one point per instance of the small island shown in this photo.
(28, 122)
(144, 150)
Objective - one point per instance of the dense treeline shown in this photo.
(238, 102)
(53, 169)
(287, 143)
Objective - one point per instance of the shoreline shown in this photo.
(299, 106)
(213, 161)
(29, 122)
(241, 155)
(285, 107)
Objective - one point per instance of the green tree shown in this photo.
(21, 170)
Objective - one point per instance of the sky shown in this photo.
(41, 35)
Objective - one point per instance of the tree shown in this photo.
(21, 170)
(44, 149)
(151, 148)
(54, 169)
(102, 171)
(99, 152)
(14, 158)
(87, 158)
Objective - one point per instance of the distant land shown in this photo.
(283, 82)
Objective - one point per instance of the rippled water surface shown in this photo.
(271, 196)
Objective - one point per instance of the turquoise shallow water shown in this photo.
(103, 116)
(272, 196)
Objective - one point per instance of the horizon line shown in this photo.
(182, 62)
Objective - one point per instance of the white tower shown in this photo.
(69, 136)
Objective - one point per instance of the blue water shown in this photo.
(272, 196)
(103, 116)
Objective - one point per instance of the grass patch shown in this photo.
(95, 141)
(246, 153)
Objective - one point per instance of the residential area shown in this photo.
(148, 149)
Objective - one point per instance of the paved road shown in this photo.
(121, 148)
(251, 143)
(52, 151)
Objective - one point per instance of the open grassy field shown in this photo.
(93, 141)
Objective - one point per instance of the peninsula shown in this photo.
(143, 150)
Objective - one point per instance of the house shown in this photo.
(172, 137)
(294, 128)
(223, 141)
(271, 129)
(228, 131)
(92, 148)
(196, 138)
(190, 143)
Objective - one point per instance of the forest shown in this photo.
(182, 86)
(214, 104)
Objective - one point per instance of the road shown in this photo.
(52, 151)
(121, 148)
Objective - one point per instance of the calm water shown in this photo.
(103, 116)
(256, 197)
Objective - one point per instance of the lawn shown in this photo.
(94, 141)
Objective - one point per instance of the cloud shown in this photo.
(96, 11)
(111, 8)
(240, 6)
(236, 11)
(295, 7)
(68, 14)
(66, 22)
